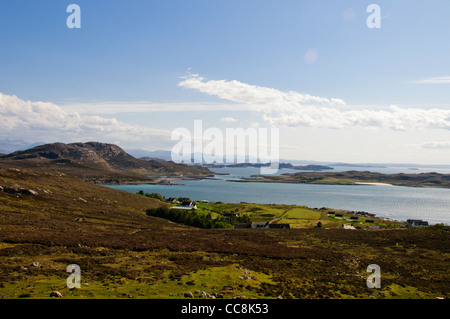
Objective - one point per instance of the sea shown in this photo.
(394, 202)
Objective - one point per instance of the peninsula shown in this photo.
(432, 179)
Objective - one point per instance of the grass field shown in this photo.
(296, 216)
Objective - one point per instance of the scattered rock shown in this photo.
(55, 294)
(1, 189)
(17, 189)
(188, 295)
(217, 295)
(36, 264)
(30, 192)
(205, 295)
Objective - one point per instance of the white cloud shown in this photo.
(436, 145)
(256, 98)
(293, 109)
(144, 107)
(437, 80)
(45, 121)
(228, 119)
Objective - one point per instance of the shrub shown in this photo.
(190, 218)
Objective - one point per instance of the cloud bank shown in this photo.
(436, 145)
(438, 80)
(294, 109)
(45, 121)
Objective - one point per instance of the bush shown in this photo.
(190, 218)
(152, 195)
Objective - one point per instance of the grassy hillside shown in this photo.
(49, 221)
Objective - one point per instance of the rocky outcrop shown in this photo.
(56, 294)
(17, 189)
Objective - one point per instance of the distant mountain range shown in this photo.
(97, 162)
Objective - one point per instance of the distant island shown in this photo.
(435, 180)
(281, 165)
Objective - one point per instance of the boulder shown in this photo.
(31, 192)
(55, 294)
(205, 295)
(188, 295)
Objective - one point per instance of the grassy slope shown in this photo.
(125, 254)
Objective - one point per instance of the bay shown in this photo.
(395, 202)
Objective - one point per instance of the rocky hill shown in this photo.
(96, 162)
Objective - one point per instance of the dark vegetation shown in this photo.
(191, 218)
(50, 220)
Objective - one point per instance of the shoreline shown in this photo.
(376, 184)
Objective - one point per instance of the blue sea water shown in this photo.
(395, 202)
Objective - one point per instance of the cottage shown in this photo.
(370, 221)
(339, 215)
(416, 223)
(354, 217)
(186, 206)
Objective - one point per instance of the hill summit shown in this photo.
(95, 161)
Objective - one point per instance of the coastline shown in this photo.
(376, 184)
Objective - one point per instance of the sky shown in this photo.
(135, 71)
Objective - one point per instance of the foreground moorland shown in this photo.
(49, 221)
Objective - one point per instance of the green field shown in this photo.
(296, 216)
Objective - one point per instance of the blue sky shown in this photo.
(149, 65)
